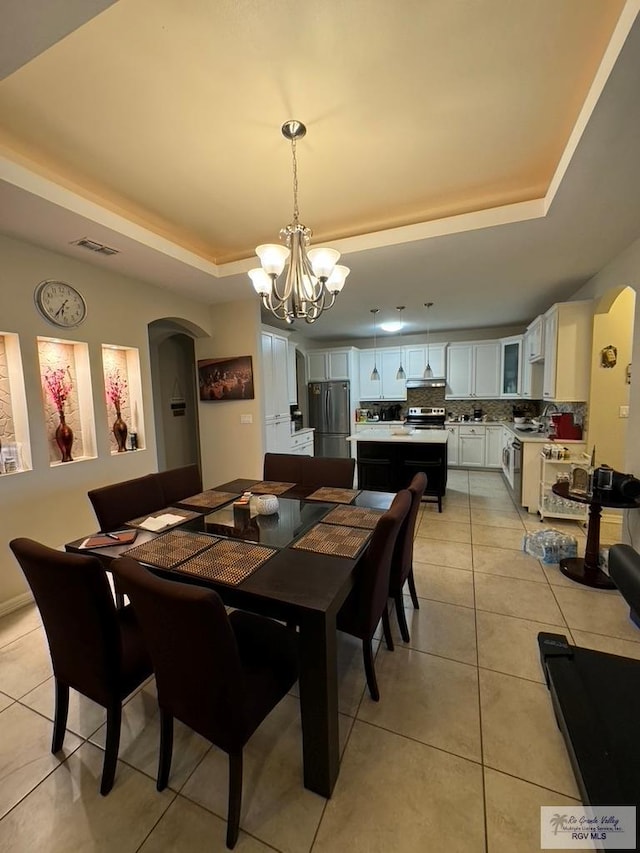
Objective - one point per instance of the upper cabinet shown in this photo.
(568, 333)
(532, 373)
(332, 364)
(415, 360)
(292, 382)
(387, 387)
(510, 366)
(534, 338)
(473, 370)
(275, 375)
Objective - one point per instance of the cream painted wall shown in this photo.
(229, 448)
(609, 389)
(50, 504)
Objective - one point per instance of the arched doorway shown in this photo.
(175, 395)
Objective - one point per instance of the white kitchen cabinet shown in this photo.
(274, 371)
(387, 387)
(473, 370)
(551, 505)
(493, 447)
(471, 444)
(534, 338)
(277, 434)
(331, 364)
(532, 374)
(415, 360)
(568, 333)
(510, 366)
(452, 444)
(292, 382)
(302, 443)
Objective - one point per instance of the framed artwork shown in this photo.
(221, 379)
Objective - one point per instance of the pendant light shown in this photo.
(375, 376)
(400, 375)
(428, 372)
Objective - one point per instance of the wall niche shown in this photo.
(15, 446)
(123, 394)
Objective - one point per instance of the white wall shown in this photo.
(50, 504)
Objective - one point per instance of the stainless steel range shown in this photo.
(425, 417)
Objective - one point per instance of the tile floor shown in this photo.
(458, 755)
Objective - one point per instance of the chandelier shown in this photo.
(313, 277)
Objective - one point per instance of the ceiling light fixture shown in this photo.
(428, 372)
(394, 325)
(375, 376)
(400, 375)
(313, 278)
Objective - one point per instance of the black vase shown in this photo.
(120, 431)
(64, 439)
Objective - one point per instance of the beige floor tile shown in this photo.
(428, 699)
(140, 739)
(276, 807)
(556, 578)
(497, 518)
(441, 629)
(457, 513)
(510, 564)
(498, 537)
(573, 528)
(5, 701)
(519, 712)
(597, 611)
(510, 645)
(85, 717)
(456, 555)
(441, 583)
(492, 503)
(513, 812)
(453, 497)
(19, 622)
(66, 812)
(24, 664)
(449, 531)
(611, 645)
(610, 532)
(397, 795)
(514, 597)
(188, 828)
(25, 755)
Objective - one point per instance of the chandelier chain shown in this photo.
(296, 212)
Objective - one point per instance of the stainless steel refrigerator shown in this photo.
(330, 416)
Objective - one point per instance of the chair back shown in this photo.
(282, 467)
(336, 472)
(194, 652)
(179, 483)
(372, 583)
(79, 617)
(121, 502)
(402, 561)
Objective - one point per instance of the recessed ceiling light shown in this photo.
(392, 326)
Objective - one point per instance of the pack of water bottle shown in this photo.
(550, 546)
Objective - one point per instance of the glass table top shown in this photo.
(293, 518)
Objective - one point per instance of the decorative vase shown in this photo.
(64, 438)
(120, 431)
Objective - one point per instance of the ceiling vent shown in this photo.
(92, 246)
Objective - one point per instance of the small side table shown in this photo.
(586, 570)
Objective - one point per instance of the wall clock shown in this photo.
(60, 303)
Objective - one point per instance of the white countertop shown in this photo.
(526, 436)
(421, 436)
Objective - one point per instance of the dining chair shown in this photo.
(95, 648)
(219, 674)
(312, 471)
(367, 602)
(179, 483)
(120, 502)
(282, 467)
(402, 560)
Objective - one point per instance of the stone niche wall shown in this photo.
(57, 355)
(116, 360)
(7, 429)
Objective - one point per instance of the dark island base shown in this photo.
(390, 466)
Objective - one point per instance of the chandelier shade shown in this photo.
(313, 277)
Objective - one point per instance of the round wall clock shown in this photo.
(60, 303)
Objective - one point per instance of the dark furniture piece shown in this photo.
(402, 562)
(309, 471)
(367, 602)
(96, 649)
(624, 567)
(220, 675)
(307, 589)
(586, 570)
(390, 466)
(179, 483)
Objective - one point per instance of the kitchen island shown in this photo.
(387, 462)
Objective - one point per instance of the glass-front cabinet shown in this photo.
(510, 366)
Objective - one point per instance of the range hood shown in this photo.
(434, 382)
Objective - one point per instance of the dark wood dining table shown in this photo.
(294, 586)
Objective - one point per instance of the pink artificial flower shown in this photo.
(59, 385)
(116, 388)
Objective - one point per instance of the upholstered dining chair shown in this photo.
(402, 561)
(219, 674)
(179, 483)
(95, 649)
(312, 471)
(367, 602)
(121, 502)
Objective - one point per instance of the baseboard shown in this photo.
(15, 603)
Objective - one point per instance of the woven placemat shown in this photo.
(227, 562)
(354, 516)
(208, 500)
(170, 549)
(334, 496)
(271, 487)
(185, 515)
(331, 539)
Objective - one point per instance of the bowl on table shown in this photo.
(266, 504)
